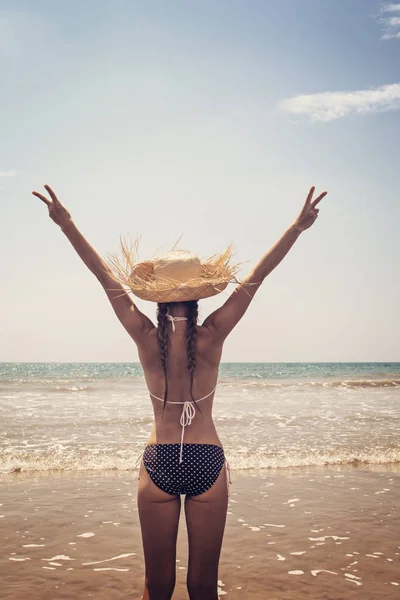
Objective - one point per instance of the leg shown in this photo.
(205, 518)
(159, 518)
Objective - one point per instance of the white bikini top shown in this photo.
(189, 407)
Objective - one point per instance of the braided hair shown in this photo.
(192, 312)
(162, 312)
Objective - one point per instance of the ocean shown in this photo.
(90, 416)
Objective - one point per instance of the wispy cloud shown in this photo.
(390, 17)
(8, 173)
(391, 8)
(327, 106)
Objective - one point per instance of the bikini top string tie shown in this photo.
(187, 415)
(173, 319)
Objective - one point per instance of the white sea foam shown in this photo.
(353, 578)
(97, 562)
(297, 572)
(58, 557)
(109, 569)
(325, 537)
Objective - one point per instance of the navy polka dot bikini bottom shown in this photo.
(197, 473)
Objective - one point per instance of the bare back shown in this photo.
(167, 428)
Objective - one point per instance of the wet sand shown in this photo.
(323, 534)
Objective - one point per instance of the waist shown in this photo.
(197, 433)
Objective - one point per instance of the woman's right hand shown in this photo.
(309, 213)
(57, 211)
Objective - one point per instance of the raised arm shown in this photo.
(224, 319)
(134, 321)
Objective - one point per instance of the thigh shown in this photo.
(159, 519)
(205, 519)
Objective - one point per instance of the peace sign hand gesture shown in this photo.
(309, 213)
(57, 211)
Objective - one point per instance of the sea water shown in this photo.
(91, 416)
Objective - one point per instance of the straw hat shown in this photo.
(175, 276)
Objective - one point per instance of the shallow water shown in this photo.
(98, 416)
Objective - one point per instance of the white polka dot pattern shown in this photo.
(202, 463)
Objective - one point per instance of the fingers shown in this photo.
(54, 198)
(52, 194)
(317, 200)
(310, 195)
(43, 198)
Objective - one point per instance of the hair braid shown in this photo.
(192, 309)
(162, 311)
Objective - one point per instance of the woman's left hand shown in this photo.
(57, 212)
(309, 213)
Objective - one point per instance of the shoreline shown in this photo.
(355, 465)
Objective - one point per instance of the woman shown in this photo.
(180, 359)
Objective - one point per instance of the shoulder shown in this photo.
(209, 346)
(148, 341)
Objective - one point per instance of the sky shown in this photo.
(209, 119)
